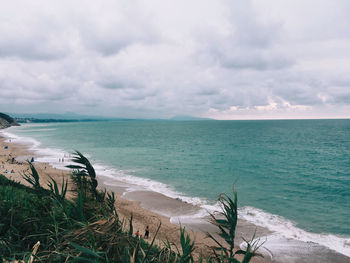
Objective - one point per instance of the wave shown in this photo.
(286, 228)
(32, 143)
(40, 130)
(43, 154)
(280, 226)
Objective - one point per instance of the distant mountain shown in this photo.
(7, 121)
(188, 118)
(53, 116)
(71, 116)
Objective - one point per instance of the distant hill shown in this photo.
(53, 116)
(188, 118)
(7, 121)
(73, 117)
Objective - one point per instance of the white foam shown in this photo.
(39, 130)
(32, 143)
(47, 155)
(137, 183)
(198, 217)
(287, 228)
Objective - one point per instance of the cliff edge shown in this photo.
(7, 121)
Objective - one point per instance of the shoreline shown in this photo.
(142, 204)
(141, 216)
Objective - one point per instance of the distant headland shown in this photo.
(73, 117)
(7, 121)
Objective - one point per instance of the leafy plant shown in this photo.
(183, 255)
(59, 196)
(111, 201)
(87, 255)
(32, 177)
(80, 207)
(187, 247)
(84, 169)
(226, 221)
(130, 225)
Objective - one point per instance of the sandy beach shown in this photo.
(13, 165)
(142, 204)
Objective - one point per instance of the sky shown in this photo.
(222, 59)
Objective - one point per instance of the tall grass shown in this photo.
(226, 221)
(32, 177)
(84, 169)
(57, 195)
(87, 228)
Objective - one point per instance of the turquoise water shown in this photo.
(298, 169)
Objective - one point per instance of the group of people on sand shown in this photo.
(137, 233)
(67, 156)
(11, 160)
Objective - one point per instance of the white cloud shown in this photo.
(156, 58)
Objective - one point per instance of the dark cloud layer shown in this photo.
(220, 59)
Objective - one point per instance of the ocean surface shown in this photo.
(292, 176)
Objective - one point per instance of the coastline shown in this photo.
(142, 205)
(125, 208)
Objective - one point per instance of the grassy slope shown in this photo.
(87, 229)
(28, 216)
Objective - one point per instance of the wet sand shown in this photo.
(151, 208)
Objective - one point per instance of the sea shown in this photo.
(292, 176)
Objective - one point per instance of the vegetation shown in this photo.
(7, 118)
(33, 177)
(39, 224)
(6, 121)
(226, 221)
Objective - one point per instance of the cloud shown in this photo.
(121, 25)
(242, 59)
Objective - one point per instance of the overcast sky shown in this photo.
(223, 59)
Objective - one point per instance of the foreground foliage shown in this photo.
(39, 224)
(226, 221)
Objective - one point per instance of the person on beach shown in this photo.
(147, 232)
(137, 234)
